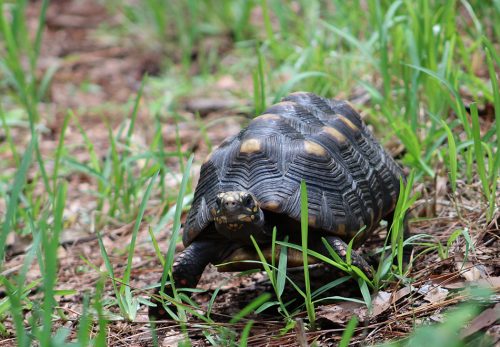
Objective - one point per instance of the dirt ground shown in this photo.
(98, 79)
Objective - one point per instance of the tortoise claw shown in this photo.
(340, 247)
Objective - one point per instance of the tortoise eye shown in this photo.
(248, 201)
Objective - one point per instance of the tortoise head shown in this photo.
(238, 210)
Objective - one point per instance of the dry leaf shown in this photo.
(401, 294)
(491, 282)
(485, 319)
(172, 341)
(432, 293)
(474, 272)
(341, 313)
(381, 303)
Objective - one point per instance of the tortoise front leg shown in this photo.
(186, 272)
(340, 247)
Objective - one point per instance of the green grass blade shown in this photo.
(169, 258)
(133, 118)
(452, 156)
(348, 332)
(267, 20)
(282, 266)
(245, 333)
(478, 150)
(460, 108)
(135, 230)
(17, 187)
(8, 137)
(50, 242)
(38, 38)
(252, 306)
(100, 340)
(304, 223)
(496, 102)
(59, 150)
(365, 292)
(287, 87)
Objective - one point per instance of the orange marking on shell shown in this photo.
(312, 220)
(337, 135)
(273, 206)
(314, 148)
(348, 123)
(249, 146)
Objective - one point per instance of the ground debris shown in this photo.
(484, 320)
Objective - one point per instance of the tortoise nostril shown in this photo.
(230, 204)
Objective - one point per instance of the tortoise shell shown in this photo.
(351, 180)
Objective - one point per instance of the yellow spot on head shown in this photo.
(348, 123)
(337, 135)
(314, 148)
(245, 218)
(250, 146)
(221, 220)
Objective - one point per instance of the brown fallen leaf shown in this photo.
(473, 272)
(401, 294)
(172, 340)
(491, 282)
(380, 303)
(485, 319)
(342, 312)
(433, 294)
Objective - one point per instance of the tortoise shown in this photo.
(251, 184)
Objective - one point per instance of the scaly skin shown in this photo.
(187, 270)
(340, 247)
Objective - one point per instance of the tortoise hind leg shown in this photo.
(340, 247)
(186, 272)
